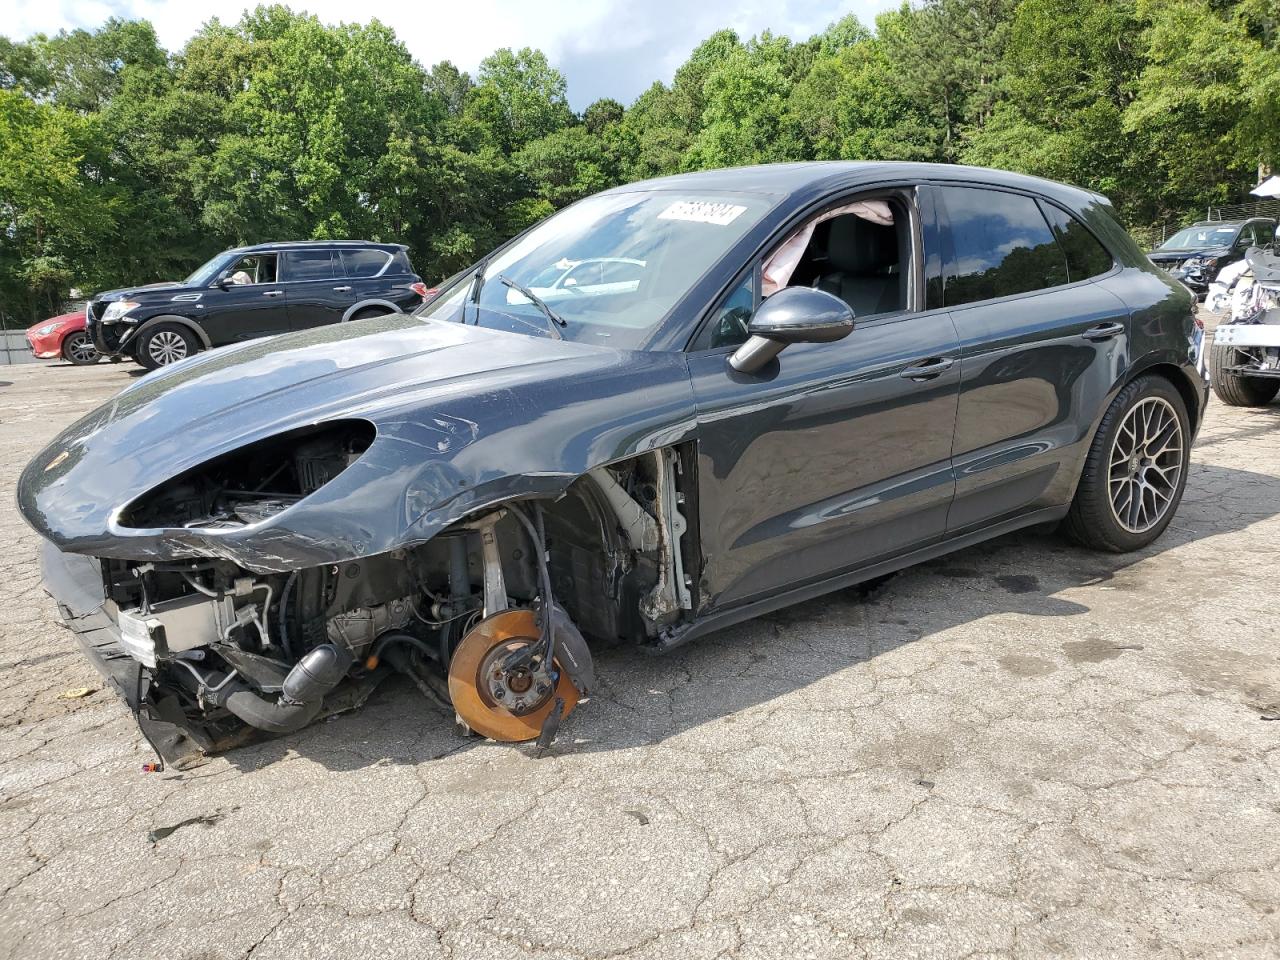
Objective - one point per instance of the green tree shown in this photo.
(54, 210)
(1191, 100)
(849, 108)
(518, 98)
(745, 96)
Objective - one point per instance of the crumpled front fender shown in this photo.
(465, 419)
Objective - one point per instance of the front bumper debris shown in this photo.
(180, 738)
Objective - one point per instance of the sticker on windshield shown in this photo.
(703, 211)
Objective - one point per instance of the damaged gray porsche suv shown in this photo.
(668, 408)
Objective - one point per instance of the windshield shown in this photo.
(1194, 238)
(206, 272)
(611, 267)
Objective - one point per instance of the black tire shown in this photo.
(1092, 520)
(78, 349)
(1234, 389)
(165, 343)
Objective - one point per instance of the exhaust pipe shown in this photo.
(303, 692)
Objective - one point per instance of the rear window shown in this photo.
(1001, 245)
(310, 265)
(1086, 257)
(363, 263)
(400, 263)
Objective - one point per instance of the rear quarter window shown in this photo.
(1001, 245)
(400, 263)
(1086, 257)
(363, 263)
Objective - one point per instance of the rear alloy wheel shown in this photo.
(1136, 469)
(165, 344)
(1234, 389)
(79, 349)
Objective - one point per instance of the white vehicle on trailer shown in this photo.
(1244, 364)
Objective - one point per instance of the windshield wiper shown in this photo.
(552, 317)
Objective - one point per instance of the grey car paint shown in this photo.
(469, 417)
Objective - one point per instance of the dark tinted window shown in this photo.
(1266, 232)
(363, 263)
(1001, 246)
(400, 263)
(1086, 257)
(311, 265)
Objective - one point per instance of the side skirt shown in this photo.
(683, 633)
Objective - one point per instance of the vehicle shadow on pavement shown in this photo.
(642, 700)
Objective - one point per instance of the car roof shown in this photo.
(1231, 223)
(821, 176)
(279, 245)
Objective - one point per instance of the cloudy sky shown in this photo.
(606, 48)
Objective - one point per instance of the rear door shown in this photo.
(319, 293)
(1041, 346)
(372, 274)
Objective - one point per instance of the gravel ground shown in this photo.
(1020, 750)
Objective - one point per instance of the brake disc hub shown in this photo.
(495, 690)
(520, 689)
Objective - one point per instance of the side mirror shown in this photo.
(792, 315)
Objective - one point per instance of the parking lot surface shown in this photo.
(1021, 750)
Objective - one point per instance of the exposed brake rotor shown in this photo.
(497, 693)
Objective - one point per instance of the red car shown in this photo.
(64, 337)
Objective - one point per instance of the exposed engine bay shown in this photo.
(489, 617)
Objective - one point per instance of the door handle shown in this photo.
(341, 289)
(1103, 331)
(928, 369)
(274, 293)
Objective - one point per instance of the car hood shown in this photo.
(1189, 252)
(148, 289)
(61, 318)
(465, 417)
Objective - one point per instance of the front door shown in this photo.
(319, 292)
(835, 455)
(246, 302)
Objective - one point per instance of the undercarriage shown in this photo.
(491, 617)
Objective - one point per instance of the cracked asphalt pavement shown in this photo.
(1020, 750)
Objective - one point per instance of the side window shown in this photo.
(728, 326)
(311, 265)
(363, 263)
(253, 269)
(1086, 257)
(1266, 232)
(1001, 246)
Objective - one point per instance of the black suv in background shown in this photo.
(1195, 254)
(254, 292)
